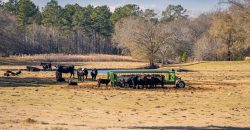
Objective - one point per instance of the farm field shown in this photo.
(216, 97)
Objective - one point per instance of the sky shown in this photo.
(194, 7)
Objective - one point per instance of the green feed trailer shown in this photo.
(170, 77)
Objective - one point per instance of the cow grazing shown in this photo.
(158, 80)
(125, 80)
(30, 68)
(66, 69)
(94, 73)
(46, 66)
(103, 81)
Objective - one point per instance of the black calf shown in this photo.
(103, 81)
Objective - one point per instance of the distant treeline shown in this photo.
(218, 35)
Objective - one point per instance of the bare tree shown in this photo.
(142, 38)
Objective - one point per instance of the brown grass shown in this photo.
(217, 95)
(74, 58)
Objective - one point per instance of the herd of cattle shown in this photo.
(140, 81)
(81, 73)
(131, 81)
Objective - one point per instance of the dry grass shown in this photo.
(90, 65)
(217, 95)
(73, 58)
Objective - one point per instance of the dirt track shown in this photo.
(211, 100)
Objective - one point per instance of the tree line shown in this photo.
(175, 37)
(167, 37)
(70, 29)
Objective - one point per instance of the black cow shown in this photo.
(66, 69)
(103, 81)
(158, 80)
(31, 68)
(127, 81)
(86, 72)
(81, 73)
(46, 66)
(149, 81)
(94, 73)
(11, 73)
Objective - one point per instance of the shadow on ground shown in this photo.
(190, 128)
(25, 82)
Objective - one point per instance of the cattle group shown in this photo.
(131, 81)
(81, 73)
(140, 81)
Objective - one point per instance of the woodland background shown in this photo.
(171, 36)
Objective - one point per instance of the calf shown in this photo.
(103, 81)
(72, 82)
(66, 69)
(94, 73)
(46, 66)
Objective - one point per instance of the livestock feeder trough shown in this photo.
(144, 78)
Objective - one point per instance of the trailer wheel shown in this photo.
(180, 84)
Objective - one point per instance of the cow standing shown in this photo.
(66, 69)
(86, 72)
(94, 73)
(80, 74)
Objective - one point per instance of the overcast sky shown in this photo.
(193, 6)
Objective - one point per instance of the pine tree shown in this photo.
(10, 6)
(26, 12)
(51, 14)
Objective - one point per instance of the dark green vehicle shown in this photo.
(170, 77)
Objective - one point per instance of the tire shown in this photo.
(181, 84)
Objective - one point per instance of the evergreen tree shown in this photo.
(10, 6)
(26, 12)
(101, 20)
(125, 11)
(66, 21)
(82, 18)
(51, 14)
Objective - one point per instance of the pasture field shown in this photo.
(216, 97)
